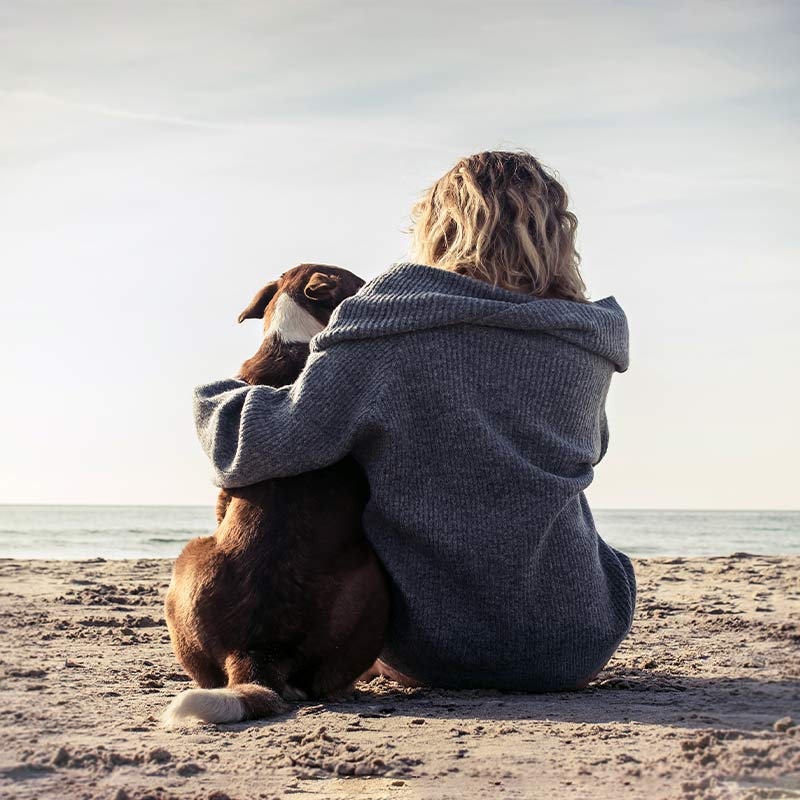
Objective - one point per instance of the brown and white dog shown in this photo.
(286, 600)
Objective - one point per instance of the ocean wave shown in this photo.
(159, 540)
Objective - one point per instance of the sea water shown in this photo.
(79, 532)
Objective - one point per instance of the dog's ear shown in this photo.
(324, 288)
(259, 303)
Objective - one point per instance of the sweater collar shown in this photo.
(411, 297)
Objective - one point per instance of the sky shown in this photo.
(159, 162)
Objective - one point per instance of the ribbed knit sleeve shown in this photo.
(255, 433)
(603, 435)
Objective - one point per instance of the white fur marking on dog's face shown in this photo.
(291, 322)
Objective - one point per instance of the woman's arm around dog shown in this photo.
(255, 433)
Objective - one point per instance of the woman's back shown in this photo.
(484, 425)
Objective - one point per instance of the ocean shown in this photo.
(79, 532)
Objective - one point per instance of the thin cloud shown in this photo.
(210, 125)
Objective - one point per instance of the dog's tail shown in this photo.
(232, 704)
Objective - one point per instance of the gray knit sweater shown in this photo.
(478, 416)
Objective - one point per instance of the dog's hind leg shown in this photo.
(205, 672)
(198, 664)
(269, 671)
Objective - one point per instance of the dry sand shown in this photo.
(702, 701)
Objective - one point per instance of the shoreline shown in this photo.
(79, 533)
(701, 701)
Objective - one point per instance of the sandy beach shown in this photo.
(701, 701)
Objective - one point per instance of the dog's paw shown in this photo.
(293, 693)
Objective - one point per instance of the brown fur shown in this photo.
(287, 594)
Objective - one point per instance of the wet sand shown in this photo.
(701, 701)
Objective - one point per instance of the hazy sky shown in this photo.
(162, 160)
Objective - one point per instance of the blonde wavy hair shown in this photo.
(501, 217)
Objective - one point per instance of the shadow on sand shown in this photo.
(636, 696)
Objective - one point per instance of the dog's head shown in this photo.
(299, 304)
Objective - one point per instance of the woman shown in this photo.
(470, 386)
